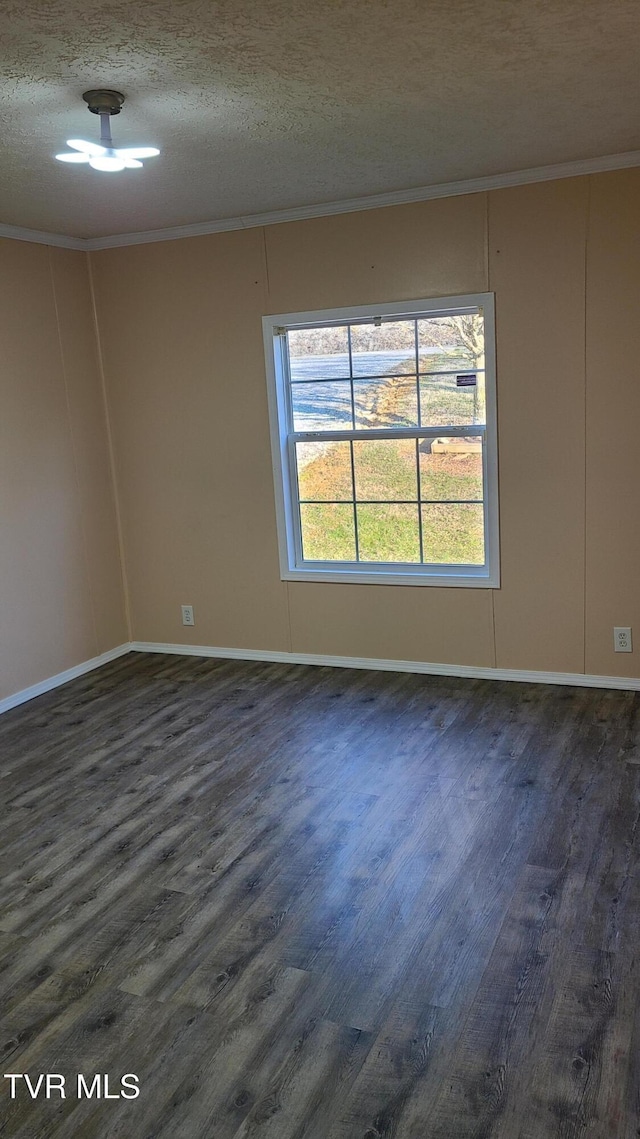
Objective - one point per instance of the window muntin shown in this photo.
(384, 436)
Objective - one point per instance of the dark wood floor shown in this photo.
(304, 902)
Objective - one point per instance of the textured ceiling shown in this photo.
(261, 105)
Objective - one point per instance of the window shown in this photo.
(383, 424)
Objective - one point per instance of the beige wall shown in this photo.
(182, 337)
(613, 421)
(181, 331)
(181, 340)
(537, 269)
(61, 596)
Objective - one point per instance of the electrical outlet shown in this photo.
(187, 615)
(622, 640)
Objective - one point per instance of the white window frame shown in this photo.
(293, 567)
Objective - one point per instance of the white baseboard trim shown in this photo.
(270, 656)
(472, 672)
(62, 678)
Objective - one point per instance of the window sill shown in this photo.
(473, 579)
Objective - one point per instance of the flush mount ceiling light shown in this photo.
(105, 156)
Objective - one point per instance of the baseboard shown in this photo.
(472, 672)
(62, 678)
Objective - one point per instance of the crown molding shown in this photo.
(39, 237)
(582, 166)
(377, 201)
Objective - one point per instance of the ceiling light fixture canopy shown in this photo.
(104, 156)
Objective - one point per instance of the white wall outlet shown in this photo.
(622, 640)
(187, 615)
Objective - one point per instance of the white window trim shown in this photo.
(280, 419)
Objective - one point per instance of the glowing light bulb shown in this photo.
(103, 155)
(72, 156)
(107, 161)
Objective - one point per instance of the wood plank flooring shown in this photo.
(311, 902)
